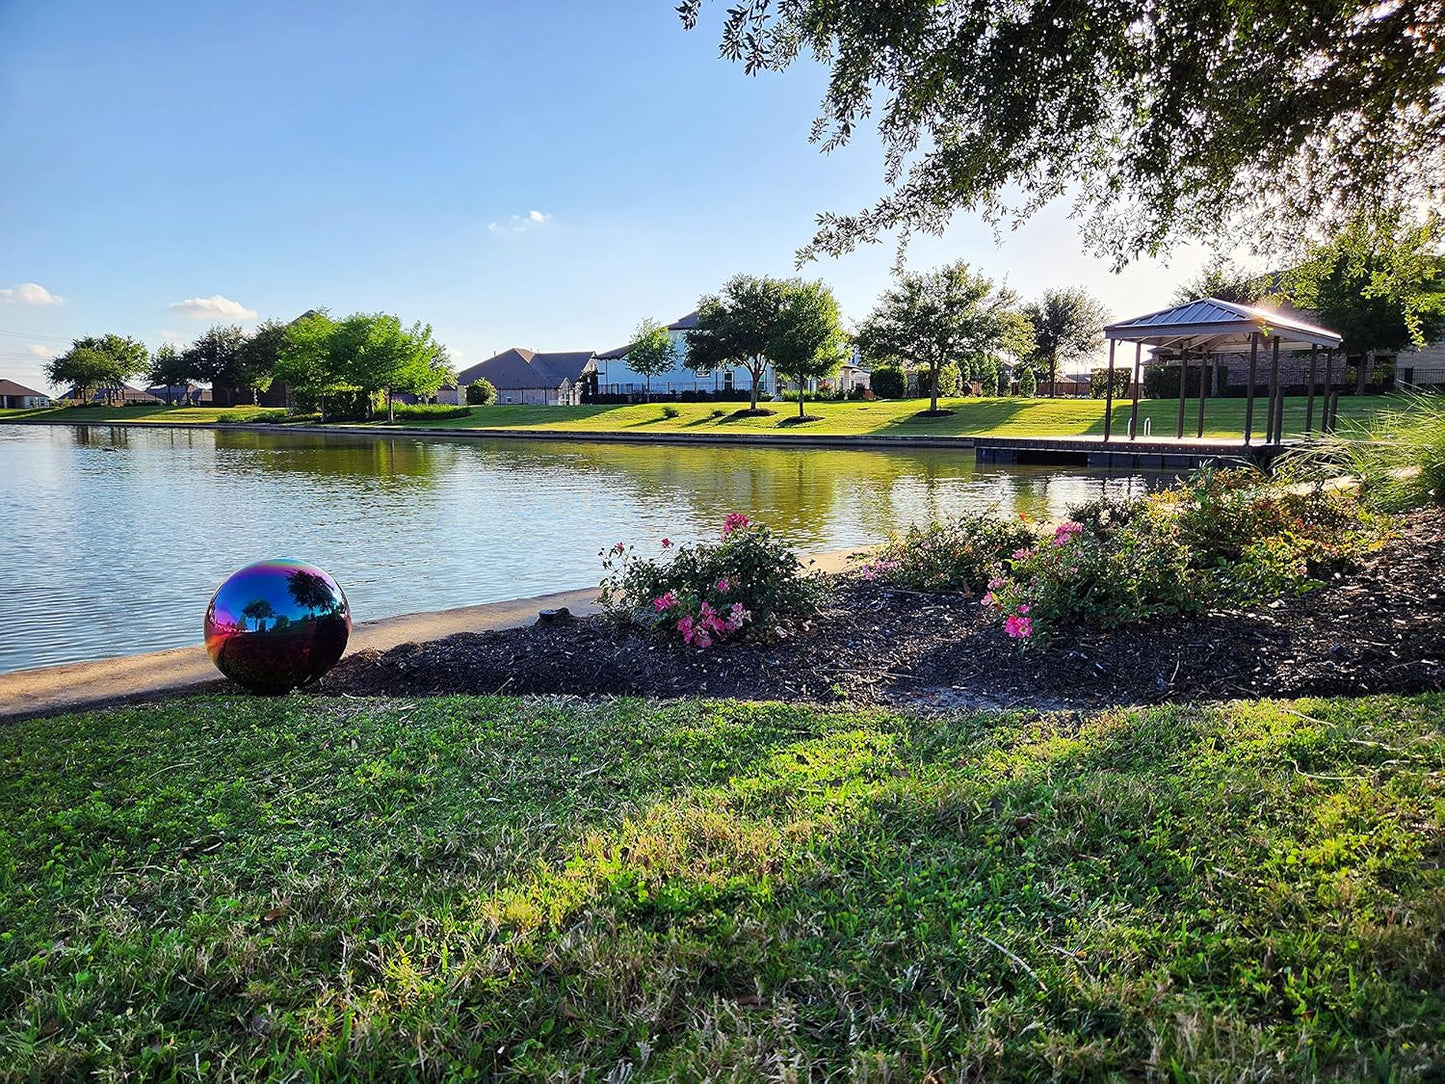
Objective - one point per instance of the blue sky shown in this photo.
(540, 175)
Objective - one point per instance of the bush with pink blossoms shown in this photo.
(747, 581)
(959, 555)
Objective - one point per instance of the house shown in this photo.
(15, 396)
(112, 395)
(180, 394)
(524, 376)
(855, 375)
(610, 374)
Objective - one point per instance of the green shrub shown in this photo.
(1028, 383)
(427, 410)
(710, 591)
(950, 381)
(717, 412)
(481, 392)
(1099, 383)
(670, 412)
(889, 382)
(243, 415)
(960, 555)
(985, 371)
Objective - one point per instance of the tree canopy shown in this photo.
(808, 341)
(168, 366)
(1380, 283)
(735, 327)
(1225, 280)
(651, 352)
(1162, 119)
(1067, 325)
(218, 358)
(105, 361)
(949, 314)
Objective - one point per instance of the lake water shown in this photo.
(112, 539)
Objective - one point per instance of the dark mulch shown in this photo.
(1379, 627)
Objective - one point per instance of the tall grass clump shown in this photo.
(1398, 455)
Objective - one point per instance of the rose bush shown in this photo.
(711, 591)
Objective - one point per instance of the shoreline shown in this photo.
(599, 436)
(125, 679)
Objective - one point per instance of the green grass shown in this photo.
(972, 417)
(376, 889)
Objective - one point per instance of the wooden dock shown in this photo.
(1123, 454)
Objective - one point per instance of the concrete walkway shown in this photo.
(78, 686)
(75, 686)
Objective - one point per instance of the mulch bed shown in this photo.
(1379, 627)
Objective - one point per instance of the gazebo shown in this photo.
(1210, 327)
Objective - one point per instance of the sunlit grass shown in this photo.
(972, 417)
(232, 886)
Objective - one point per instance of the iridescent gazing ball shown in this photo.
(276, 625)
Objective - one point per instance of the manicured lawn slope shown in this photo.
(231, 886)
(972, 417)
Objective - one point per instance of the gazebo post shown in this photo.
(1109, 394)
(1310, 395)
(1325, 424)
(1183, 384)
(1272, 436)
(1249, 391)
(1134, 410)
(1203, 373)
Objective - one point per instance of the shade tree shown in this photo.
(1067, 324)
(651, 352)
(808, 341)
(736, 327)
(1161, 119)
(947, 315)
(105, 361)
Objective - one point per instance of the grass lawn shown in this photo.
(377, 889)
(972, 417)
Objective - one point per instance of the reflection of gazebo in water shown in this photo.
(1203, 330)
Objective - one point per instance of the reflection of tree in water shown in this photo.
(312, 592)
(393, 461)
(258, 611)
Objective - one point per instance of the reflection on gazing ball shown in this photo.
(277, 624)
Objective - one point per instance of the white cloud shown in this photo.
(518, 223)
(45, 353)
(30, 293)
(211, 308)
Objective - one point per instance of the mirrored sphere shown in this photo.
(277, 624)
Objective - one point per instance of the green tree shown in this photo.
(373, 353)
(306, 361)
(1028, 382)
(168, 366)
(1163, 118)
(737, 327)
(1223, 279)
(651, 352)
(1067, 325)
(256, 365)
(940, 316)
(808, 341)
(481, 392)
(217, 357)
(107, 361)
(1380, 283)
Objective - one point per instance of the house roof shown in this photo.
(9, 387)
(687, 323)
(520, 368)
(1215, 325)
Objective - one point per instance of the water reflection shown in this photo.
(119, 536)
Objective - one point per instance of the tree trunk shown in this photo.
(933, 389)
(1367, 369)
(757, 375)
(390, 407)
(801, 414)
(1053, 380)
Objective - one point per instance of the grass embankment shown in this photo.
(971, 417)
(310, 888)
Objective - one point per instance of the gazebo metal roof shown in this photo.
(1212, 325)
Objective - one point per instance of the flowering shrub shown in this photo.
(1074, 575)
(711, 591)
(961, 554)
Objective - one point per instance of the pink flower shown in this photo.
(735, 521)
(1024, 608)
(995, 583)
(1018, 628)
(1067, 531)
(988, 599)
(736, 616)
(664, 602)
(1021, 555)
(723, 586)
(685, 626)
(703, 640)
(619, 548)
(667, 543)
